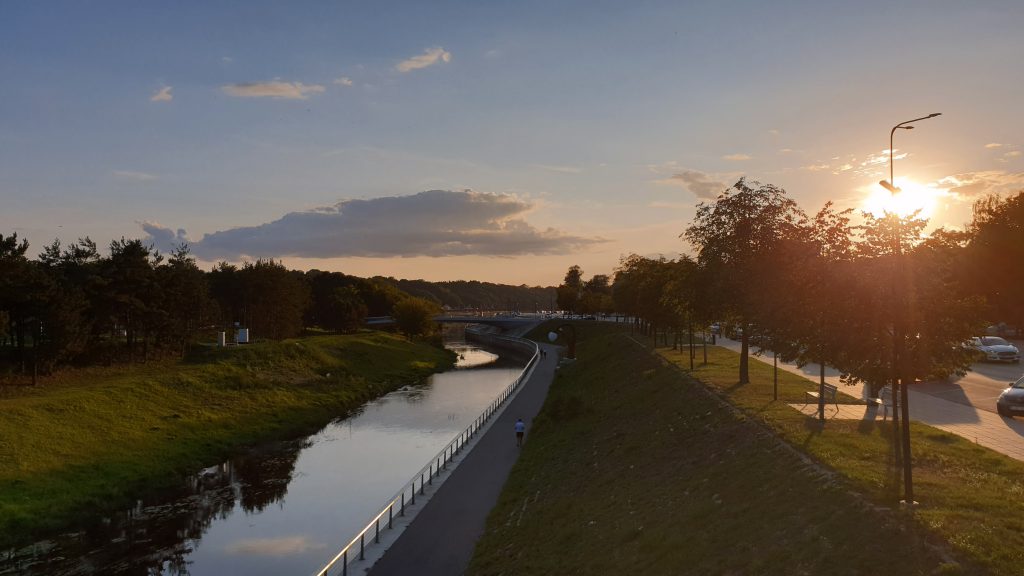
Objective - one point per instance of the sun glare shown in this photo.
(913, 197)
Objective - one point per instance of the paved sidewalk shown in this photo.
(1004, 435)
(441, 539)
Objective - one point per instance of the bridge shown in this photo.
(502, 322)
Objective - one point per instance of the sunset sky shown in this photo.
(498, 141)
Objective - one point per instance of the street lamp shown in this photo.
(897, 333)
(891, 184)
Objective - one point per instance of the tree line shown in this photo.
(869, 299)
(73, 304)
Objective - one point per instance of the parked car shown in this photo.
(995, 349)
(1011, 401)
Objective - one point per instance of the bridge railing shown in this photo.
(355, 550)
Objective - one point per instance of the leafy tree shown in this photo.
(994, 252)
(732, 236)
(415, 316)
(570, 290)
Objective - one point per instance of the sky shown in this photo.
(494, 141)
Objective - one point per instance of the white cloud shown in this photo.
(815, 167)
(162, 95)
(134, 176)
(737, 157)
(273, 89)
(435, 223)
(993, 145)
(430, 57)
(342, 81)
(785, 150)
(1012, 154)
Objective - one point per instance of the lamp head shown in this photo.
(934, 114)
(885, 184)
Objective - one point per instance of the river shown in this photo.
(286, 507)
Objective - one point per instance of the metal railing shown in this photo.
(356, 548)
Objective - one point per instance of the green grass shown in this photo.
(93, 440)
(970, 496)
(633, 468)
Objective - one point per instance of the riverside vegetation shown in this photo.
(93, 440)
(633, 467)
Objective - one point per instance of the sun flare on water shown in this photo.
(913, 198)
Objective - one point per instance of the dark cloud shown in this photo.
(162, 237)
(702, 185)
(433, 223)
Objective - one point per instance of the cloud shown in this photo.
(435, 223)
(430, 56)
(785, 150)
(134, 176)
(975, 184)
(993, 145)
(737, 157)
(342, 81)
(162, 95)
(163, 237)
(226, 60)
(1012, 154)
(273, 89)
(815, 167)
(702, 185)
(282, 546)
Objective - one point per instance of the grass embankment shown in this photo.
(93, 440)
(632, 468)
(970, 496)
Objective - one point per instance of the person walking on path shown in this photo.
(520, 430)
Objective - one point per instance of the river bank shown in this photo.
(632, 467)
(96, 440)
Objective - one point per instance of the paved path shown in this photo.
(440, 540)
(1005, 435)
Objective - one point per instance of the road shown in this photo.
(979, 388)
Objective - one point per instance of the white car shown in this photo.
(996, 349)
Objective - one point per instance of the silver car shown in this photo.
(1011, 401)
(996, 349)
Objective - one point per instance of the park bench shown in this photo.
(830, 395)
(884, 400)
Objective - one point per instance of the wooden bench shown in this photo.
(884, 400)
(830, 395)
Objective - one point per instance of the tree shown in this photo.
(996, 238)
(273, 299)
(185, 303)
(808, 296)
(415, 316)
(570, 290)
(731, 236)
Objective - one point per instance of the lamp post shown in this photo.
(898, 382)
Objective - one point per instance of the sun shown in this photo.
(913, 198)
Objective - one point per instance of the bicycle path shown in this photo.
(441, 539)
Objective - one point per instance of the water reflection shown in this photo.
(285, 507)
